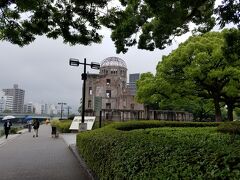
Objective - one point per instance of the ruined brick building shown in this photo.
(116, 94)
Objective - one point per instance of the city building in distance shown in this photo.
(6, 102)
(132, 83)
(17, 98)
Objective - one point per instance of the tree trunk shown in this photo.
(147, 115)
(218, 114)
(230, 112)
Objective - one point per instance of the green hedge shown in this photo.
(230, 127)
(62, 125)
(160, 153)
(1, 133)
(14, 130)
(103, 123)
(131, 125)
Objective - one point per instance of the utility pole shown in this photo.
(62, 103)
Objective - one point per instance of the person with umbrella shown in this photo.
(7, 124)
(7, 127)
(35, 125)
(29, 123)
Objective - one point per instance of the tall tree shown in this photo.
(76, 21)
(231, 51)
(200, 65)
(146, 90)
(154, 23)
(149, 23)
(158, 93)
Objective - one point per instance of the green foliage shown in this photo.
(202, 74)
(160, 153)
(155, 22)
(62, 126)
(145, 89)
(7, 111)
(76, 21)
(71, 116)
(131, 125)
(14, 130)
(229, 12)
(1, 132)
(237, 111)
(158, 21)
(104, 123)
(230, 127)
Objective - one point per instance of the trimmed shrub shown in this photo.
(62, 126)
(14, 130)
(160, 153)
(1, 133)
(230, 127)
(131, 125)
(104, 123)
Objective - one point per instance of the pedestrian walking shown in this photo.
(29, 123)
(35, 125)
(47, 121)
(7, 127)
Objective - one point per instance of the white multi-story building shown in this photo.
(2, 101)
(53, 109)
(9, 103)
(45, 109)
(17, 97)
(37, 108)
(28, 108)
(6, 102)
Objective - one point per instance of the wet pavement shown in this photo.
(23, 157)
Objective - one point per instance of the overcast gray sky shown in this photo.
(42, 68)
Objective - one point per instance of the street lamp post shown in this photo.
(62, 103)
(93, 65)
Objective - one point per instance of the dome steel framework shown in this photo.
(113, 61)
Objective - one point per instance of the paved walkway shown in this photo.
(69, 138)
(23, 157)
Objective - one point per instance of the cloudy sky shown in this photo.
(42, 68)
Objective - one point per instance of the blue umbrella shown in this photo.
(28, 118)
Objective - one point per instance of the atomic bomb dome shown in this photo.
(114, 66)
(113, 62)
(109, 93)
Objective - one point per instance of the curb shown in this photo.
(73, 148)
(11, 137)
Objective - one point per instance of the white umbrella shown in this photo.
(8, 117)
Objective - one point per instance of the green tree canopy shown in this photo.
(154, 23)
(157, 92)
(146, 89)
(204, 70)
(231, 51)
(149, 23)
(76, 21)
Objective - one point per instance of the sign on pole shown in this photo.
(97, 104)
(77, 124)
